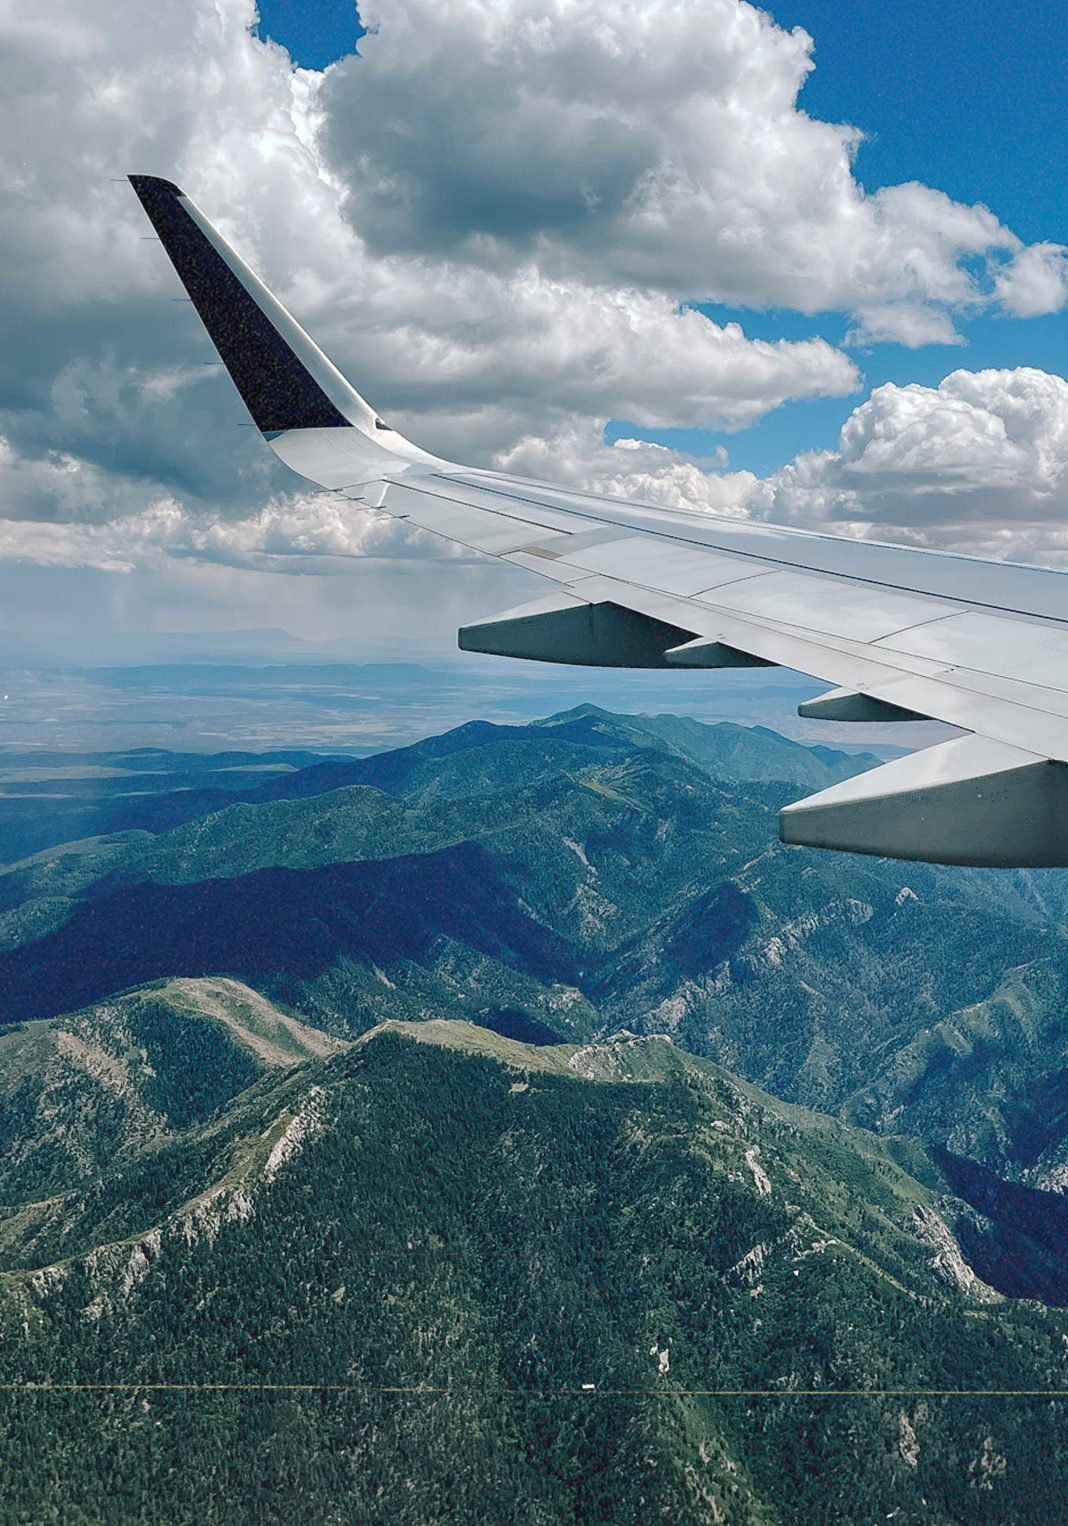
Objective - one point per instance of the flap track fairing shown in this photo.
(565, 628)
(968, 801)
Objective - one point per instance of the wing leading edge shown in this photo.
(899, 633)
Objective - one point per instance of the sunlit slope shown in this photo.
(464, 1231)
(79, 1093)
(370, 819)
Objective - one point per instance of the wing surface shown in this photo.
(899, 633)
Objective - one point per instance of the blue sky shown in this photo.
(315, 35)
(967, 95)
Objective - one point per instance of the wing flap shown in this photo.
(831, 606)
(998, 645)
(665, 565)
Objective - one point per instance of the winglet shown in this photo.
(314, 420)
(284, 378)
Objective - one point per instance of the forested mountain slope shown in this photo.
(446, 1241)
(403, 1079)
(51, 798)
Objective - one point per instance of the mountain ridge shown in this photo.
(449, 1225)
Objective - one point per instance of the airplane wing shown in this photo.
(900, 633)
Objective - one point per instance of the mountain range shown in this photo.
(442, 1084)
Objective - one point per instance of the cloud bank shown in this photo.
(655, 145)
(977, 464)
(498, 221)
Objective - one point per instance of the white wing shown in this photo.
(901, 633)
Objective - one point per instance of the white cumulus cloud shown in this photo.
(1036, 282)
(108, 397)
(979, 463)
(657, 144)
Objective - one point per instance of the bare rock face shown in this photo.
(948, 1263)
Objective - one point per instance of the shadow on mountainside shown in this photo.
(282, 922)
(1022, 1249)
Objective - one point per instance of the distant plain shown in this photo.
(265, 701)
